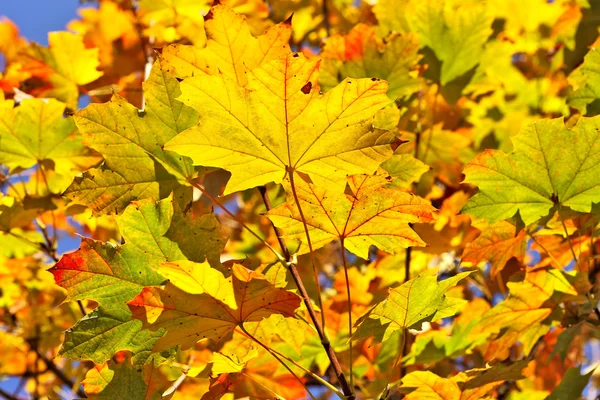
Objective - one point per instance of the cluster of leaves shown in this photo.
(302, 199)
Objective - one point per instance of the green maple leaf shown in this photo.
(551, 165)
(154, 232)
(123, 380)
(126, 137)
(586, 82)
(419, 300)
(106, 330)
(456, 34)
(279, 122)
(36, 132)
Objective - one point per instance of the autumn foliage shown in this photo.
(302, 199)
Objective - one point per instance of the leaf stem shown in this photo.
(264, 346)
(238, 220)
(309, 243)
(309, 307)
(349, 300)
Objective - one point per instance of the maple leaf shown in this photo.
(107, 27)
(125, 137)
(360, 54)
(469, 385)
(586, 80)
(105, 331)
(37, 133)
(521, 316)
(393, 16)
(496, 244)
(405, 168)
(198, 278)
(433, 149)
(412, 303)
(154, 232)
(11, 43)
(231, 49)
(110, 381)
(369, 215)
(455, 33)
(551, 165)
(189, 318)
(170, 20)
(281, 123)
(66, 64)
(254, 375)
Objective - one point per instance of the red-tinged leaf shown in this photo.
(190, 318)
(496, 245)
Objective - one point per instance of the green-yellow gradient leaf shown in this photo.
(127, 137)
(280, 122)
(405, 168)
(520, 316)
(455, 33)
(369, 215)
(189, 318)
(71, 65)
(231, 49)
(360, 54)
(112, 381)
(586, 84)
(472, 384)
(419, 300)
(106, 330)
(37, 132)
(551, 165)
(154, 232)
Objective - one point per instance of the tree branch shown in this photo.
(59, 374)
(347, 390)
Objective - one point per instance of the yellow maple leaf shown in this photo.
(280, 123)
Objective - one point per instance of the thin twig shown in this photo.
(349, 300)
(277, 358)
(405, 343)
(8, 396)
(310, 247)
(59, 374)
(335, 364)
(238, 220)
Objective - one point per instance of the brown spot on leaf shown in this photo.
(306, 88)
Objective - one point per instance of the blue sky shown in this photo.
(35, 18)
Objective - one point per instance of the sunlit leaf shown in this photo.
(409, 305)
(125, 136)
(368, 215)
(190, 318)
(552, 165)
(231, 49)
(281, 123)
